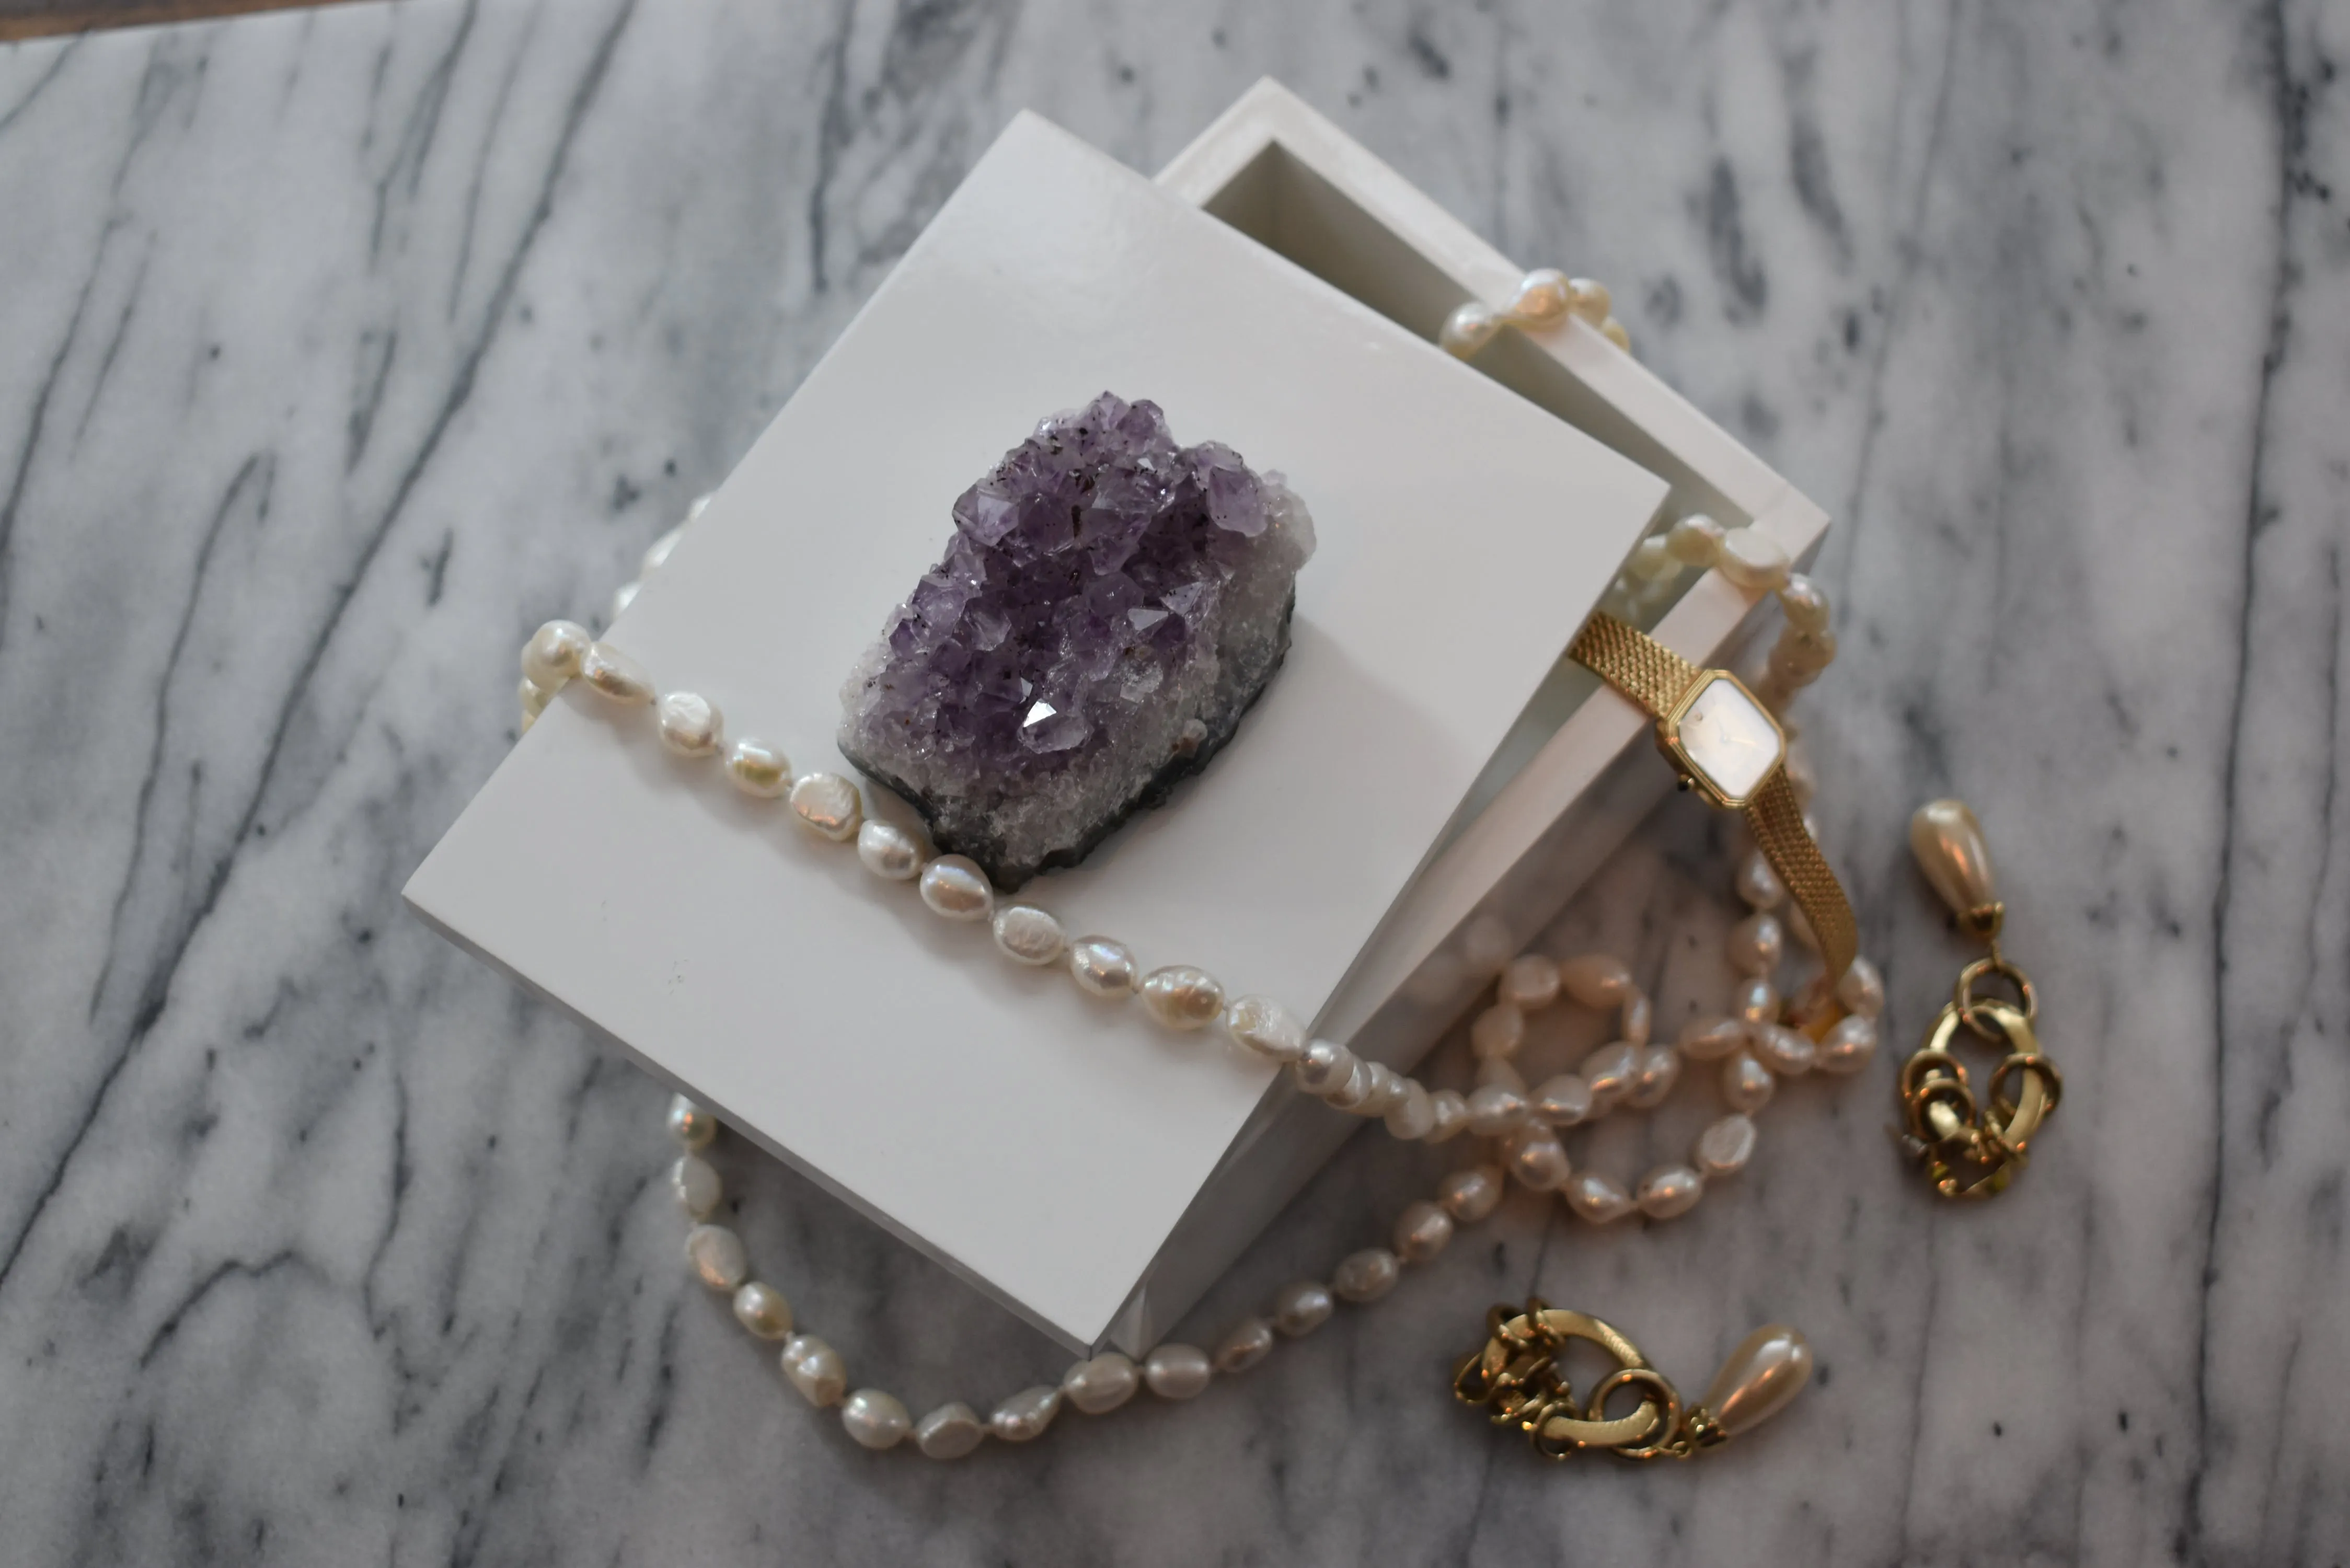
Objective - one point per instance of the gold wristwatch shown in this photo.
(1728, 748)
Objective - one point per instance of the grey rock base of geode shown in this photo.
(974, 827)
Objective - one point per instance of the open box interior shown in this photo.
(1282, 203)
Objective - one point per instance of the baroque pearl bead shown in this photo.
(1543, 297)
(1299, 1309)
(816, 1369)
(555, 653)
(1757, 943)
(1562, 1101)
(762, 1309)
(1102, 967)
(1469, 328)
(1386, 1085)
(1023, 1417)
(828, 805)
(876, 1421)
(1848, 1047)
(1595, 981)
(759, 769)
(1423, 1231)
(1595, 1198)
(1747, 1084)
(1769, 1368)
(1494, 1108)
(1451, 1111)
(1862, 989)
(1711, 1039)
(955, 888)
(1671, 1190)
(716, 1254)
(1651, 562)
(1352, 1093)
(1536, 1157)
(534, 699)
(1755, 1000)
(616, 676)
(1588, 297)
(1654, 1073)
(1499, 1031)
(1759, 885)
(1413, 1115)
(1247, 1343)
(1177, 1371)
(1030, 936)
(1324, 1068)
(1101, 1385)
(889, 852)
(1616, 333)
(695, 1184)
(1637, 1018)
(1470, 1195)
(688, 723)
(1609, 1072)
(1786, 1052)
(1725, 1147)
(1805, 607)
(1695, 540)
(1529, 982)
(1182, 997)
(1753, 559)
(1264, 1027)
(689, 1124)
(1367, 1275)
(949, 1432)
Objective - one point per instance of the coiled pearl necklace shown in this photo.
(1759, 1040)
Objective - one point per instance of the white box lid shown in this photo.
(1038, 1141)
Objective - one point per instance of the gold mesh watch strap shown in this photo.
(1633, 663)
(1776, 820)
(1655, 677)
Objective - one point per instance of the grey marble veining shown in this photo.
(338, 349)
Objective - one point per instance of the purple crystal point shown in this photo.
(1107, 607)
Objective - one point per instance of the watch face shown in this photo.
(1728, 740)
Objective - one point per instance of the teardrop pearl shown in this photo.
(1762, 1374)
(1950, 847)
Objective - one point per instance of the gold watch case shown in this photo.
(1722, 740)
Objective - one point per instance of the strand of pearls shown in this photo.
(1759, 1040)
(1094, 1385)
(1748, 556)
(1544, 297)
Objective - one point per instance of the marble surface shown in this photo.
(338, 349)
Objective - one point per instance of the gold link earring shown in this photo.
(1970, 1150)
(1518, 1377)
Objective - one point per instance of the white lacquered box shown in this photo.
(1081, 1165)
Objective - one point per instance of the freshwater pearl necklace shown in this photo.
(1756, 1042)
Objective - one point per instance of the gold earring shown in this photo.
(1967, 1151)
(1517, 1377)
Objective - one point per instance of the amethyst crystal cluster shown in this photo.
(1108, 606)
